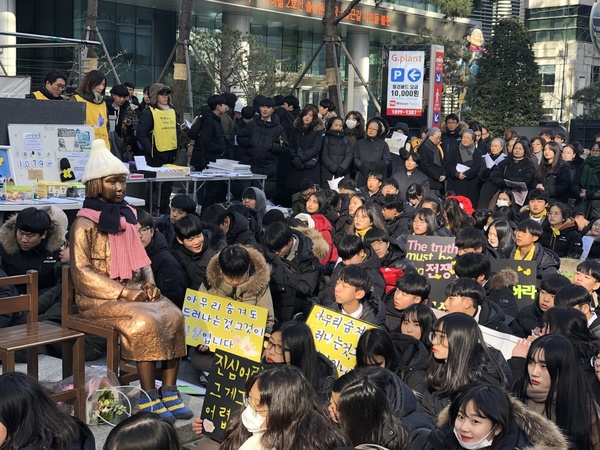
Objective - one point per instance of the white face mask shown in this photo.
(351, 124)
(252, 420)
(500, 203)
(484, 443)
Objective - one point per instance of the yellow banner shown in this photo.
(224, 323)
(336, 336)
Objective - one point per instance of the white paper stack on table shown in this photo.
(227, 167)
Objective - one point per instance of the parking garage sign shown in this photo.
(405, 83)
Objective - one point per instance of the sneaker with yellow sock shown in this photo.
(155, 405)
(171, 399)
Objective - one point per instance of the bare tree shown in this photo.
(181, 69)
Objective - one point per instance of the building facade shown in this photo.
(564, 51)
(140, 34)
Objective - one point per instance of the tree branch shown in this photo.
(347, 11)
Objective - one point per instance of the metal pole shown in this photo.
(362, 80)
(168, 63)
(110, 63)
(338, 83)
(189, 77)
(314, 56)
(39, 45)
(43, 37)
(206, 69)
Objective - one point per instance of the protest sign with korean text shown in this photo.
(336, 336)
(439, 274)
(225, 391)
(224, 323)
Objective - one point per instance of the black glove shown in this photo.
(297, 162)
(339, 172)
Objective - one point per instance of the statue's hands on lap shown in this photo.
(151, 291)
(134, 295)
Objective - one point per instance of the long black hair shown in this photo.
(29, 416)
(365, 415)
(569, 396)
(295, 419)
(469, 358)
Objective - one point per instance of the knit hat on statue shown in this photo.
(102, 163)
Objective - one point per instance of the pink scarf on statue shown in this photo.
(126, 249)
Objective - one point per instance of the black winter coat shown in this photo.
(266, 139)
(194, 264)
(239, 230)
(499, 291)
(305, 144)
(415, 359)
(168, 273)
(558, 183)
(395, 227)
(372, 155)
(393, 316)
(210, 143)
(512, 170)
(487, 189)
(280, 284)
(567, 244)
(469, 186)
(529, 318)
(427, 150)
(491, 316)
(337, 156)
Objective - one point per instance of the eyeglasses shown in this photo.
(555, 213)
(60, 86)
(595, 361)
(247, 403)
(439, 336)
(65, 245)
(276, 347)
(144, 230)
(595, 151)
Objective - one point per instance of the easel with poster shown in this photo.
(36, 151)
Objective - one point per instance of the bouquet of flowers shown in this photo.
(109, 407)
(106, 401)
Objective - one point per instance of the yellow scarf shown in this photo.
(528, 257)
(362, 233)
(555, 231)
(539, 215)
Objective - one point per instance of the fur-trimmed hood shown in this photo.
(54, 239)
(539, 432)
(462, 126)
(503, 279)
(255, 286)
(320, 246)
(319, 125)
